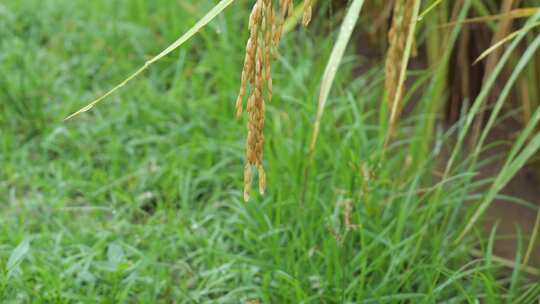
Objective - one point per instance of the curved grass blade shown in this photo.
(503, 41)
(429, 9)
(190, 33)
(532, 239)
(344, 36)
(17, 255)
(329, 75)
(506, 263)
(513, 14)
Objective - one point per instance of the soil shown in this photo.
(509, 215)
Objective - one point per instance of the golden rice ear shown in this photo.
(266, 29)
(401, 40)
(308, 12)
(396, 39)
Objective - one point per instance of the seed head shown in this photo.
(308, 12)
(265, 32)
(397, 36)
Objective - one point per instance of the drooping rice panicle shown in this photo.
(266, 27)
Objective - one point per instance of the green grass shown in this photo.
(139, 200)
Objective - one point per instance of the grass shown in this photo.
(140, 201)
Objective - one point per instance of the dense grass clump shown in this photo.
(140, 200)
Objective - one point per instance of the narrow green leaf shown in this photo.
(503, 41)
(332, 66)
(17, 256)
(190, 33)
(532, 239)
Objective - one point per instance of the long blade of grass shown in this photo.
(506, 263)
(513, 14)
(216, 10)
(345, 32)
(429, 9)
(329, 75)
(503, 41)
(532, 240)
(516, 272)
